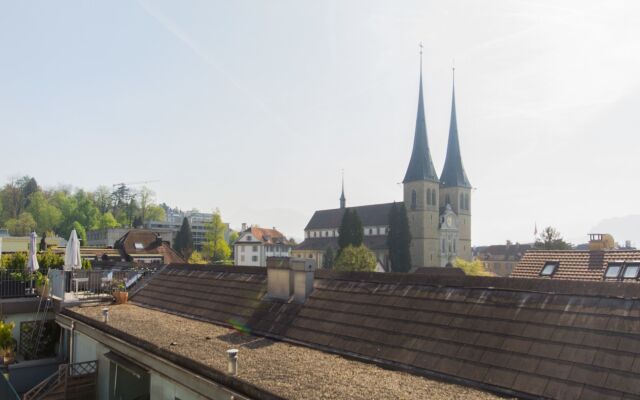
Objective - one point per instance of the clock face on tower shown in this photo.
(449, 220)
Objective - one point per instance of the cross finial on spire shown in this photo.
(453, 70)
(421, 46)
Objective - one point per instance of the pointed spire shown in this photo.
(453, 172)
(420, 166)
(343, 200)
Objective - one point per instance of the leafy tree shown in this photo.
(46, 215)
(216, 246)
(355, 258)
(86, 213)
(550, 239)
(21, 226)
(183, 242)
(81, 232)
(102, 199)
(399, 239)
(350, 232)
(14, 196)
(233, 237)
(107, 221)
(474, 268)
(196, 258)
(155, 213)
(328, 258)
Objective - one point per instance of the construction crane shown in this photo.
(134, 183)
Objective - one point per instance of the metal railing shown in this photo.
(15, 285)
(91, 284)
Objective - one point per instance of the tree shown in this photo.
(102, 199)
(399, 239)
(81, 232)
(350, 232)
(46, 215)
(473, 268)
(216, 246)
(154, 213)
(146, 196)
(107, 221)
(355, 258)
(328, 258)
(550, 239)
(196, 258)
(183, 242)
(21, 226)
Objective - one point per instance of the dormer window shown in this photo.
(613, 271)
(249, 238)
(549, 268)
(139, 246)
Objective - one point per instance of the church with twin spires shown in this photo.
(438, 208)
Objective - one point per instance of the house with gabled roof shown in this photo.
(254, 245)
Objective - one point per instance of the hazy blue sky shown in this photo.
(254, 107)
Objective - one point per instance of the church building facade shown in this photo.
(438, 208)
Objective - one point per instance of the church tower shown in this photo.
(455, 189)
(421, 188)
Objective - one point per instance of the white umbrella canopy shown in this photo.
(72, 258)
(32, 262)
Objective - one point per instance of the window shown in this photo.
(447, 199)
(549, 268)
(631, 271)
(429, 196)
(433, 197)
(466, 201)
(254, 258)
(241, 249)
(613, 270)
(249, 238)
(414, 200)
(462, 201)
(242, 258)
(255, 248)
(139, 246)
(443, 246)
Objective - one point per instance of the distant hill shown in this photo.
(622, 228)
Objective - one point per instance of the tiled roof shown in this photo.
(377, 242)
(528, 337)
(370, 215)
(267, 369)
(573, 264)
(268, 236)
(149, 243)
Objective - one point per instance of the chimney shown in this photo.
(302, 271)
(279, 279)
(601, 242)
(232, 358)
(244, 226)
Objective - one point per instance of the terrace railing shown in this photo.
(92, 284)
(14, 285)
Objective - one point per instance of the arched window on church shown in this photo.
(433, 197)
(414, 200)
(447, 199)
(428, 196)
(444, 250)
(462, 201)
(466, 201)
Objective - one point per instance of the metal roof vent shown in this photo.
(232, 358)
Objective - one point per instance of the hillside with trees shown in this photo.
(25, 206)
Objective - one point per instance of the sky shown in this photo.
(255, 107)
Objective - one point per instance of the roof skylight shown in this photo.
(613, 271)
(549, 268)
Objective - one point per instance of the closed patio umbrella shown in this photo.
(72, 258)
(32, 262)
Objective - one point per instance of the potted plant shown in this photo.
(120, 292)
(7, 342)
(42, 285)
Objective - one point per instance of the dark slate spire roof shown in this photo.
(453, 172)
(420, 166)
(343, 200)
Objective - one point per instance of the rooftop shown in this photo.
(284, 369)
(370, 215)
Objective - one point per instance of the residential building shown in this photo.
(146, 246)
(197, 220)
(107, 237)
(20, 244)
(438, 209)
(602, 261)
(501, 259)
(254, 245)
(479, 337)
